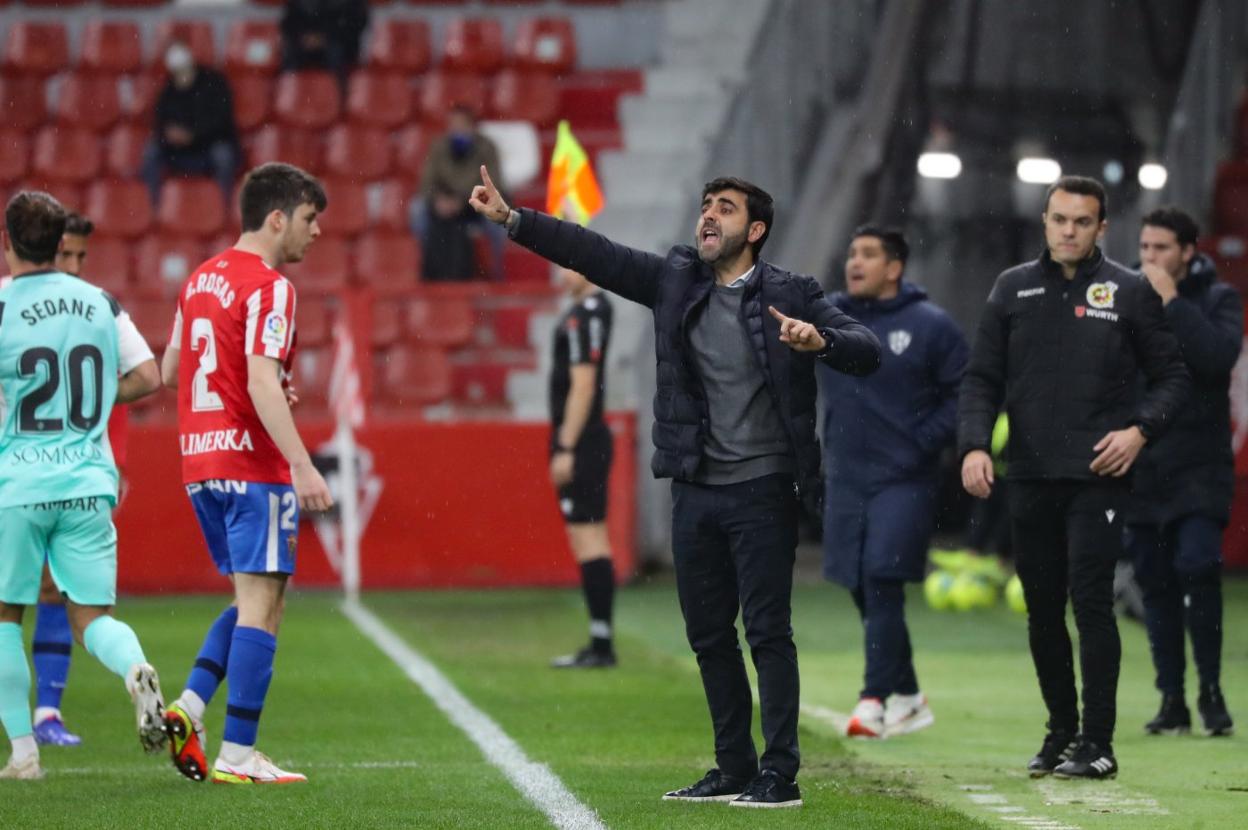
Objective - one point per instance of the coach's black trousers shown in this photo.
(733, 547)
(1067, 538)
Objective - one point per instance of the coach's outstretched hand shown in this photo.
(798, 336)
(487, 201)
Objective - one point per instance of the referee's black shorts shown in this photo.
(585, 498)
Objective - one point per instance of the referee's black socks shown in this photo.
(598, 580)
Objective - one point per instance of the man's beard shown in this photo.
(730, 247)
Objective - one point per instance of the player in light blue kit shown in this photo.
(67, 352)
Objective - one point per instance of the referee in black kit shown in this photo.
(736, 342)
(1062, 342)
(580, 457)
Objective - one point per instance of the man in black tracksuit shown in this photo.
(1061, 344)
(1184, 483)
(737, 340)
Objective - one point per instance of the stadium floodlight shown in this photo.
(1038, 170)
(1152, 176)
(940, 165)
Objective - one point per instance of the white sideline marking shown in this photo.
(982, 796)
(1104, 795)
(534, 781)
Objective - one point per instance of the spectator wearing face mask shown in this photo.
(195, 133)
(441, 218)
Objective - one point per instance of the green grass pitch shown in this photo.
(378, 753)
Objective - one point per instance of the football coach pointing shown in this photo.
(736, 340)
(1061, 343)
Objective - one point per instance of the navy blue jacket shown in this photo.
(674, 287)
(890, 427)
(1190, 470)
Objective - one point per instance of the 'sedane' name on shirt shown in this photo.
(214, 284)
(47, 309)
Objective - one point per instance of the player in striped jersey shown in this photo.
(245, 467)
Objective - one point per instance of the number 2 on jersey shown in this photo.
(203, 399)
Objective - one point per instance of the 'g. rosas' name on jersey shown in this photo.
(211, 283)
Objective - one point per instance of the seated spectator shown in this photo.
(323, 34)
(452, 169)
(195, 133)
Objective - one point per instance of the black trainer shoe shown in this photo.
(1213, 712)
(586, 658)
(1173, 718)
(769, 789)
(714, 786)
(1057, 747)
(1088, 761)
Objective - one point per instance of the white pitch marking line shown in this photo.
(982, 796)
(534, 781)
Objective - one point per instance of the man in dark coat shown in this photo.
(882, 437)
(1184, 483)
(737, 340)
(1062, 342)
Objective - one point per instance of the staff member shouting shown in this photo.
(1061, 343)
(737, 340)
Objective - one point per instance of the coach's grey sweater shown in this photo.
(746, 439)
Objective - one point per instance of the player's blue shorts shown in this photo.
(249, 527)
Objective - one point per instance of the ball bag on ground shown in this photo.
(937, 589)
(1014, 595)
(971, 591)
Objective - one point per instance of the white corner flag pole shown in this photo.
(349, 413)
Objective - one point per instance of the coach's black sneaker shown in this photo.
(1213, 712)
(714, 786)
(1173, 718)
(1057, 748)
(586, 658)
(1088, 761)
(769, 789)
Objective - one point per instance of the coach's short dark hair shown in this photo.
(36, 223)
(277, 186)
(78, 225)
(1176, 219)
(759, 206)
(892, 240)
(1083, 186)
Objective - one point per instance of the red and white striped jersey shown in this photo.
(232, 306)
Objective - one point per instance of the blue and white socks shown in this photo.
(249, 673)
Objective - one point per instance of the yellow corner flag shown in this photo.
(572, 189)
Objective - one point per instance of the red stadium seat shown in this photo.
(442, 91)
(445, 323)
(1230, 198)
(111, 46)
(311, 374)
(387, 205)
(14, 154)
(163, 261)
(511, 327)
(66, 154)
(108, 264)
(138, 96)
(36, 48)
(52, 3)
(191, 206)
(525, 96)
(68, 194)
(379, 100)
(473, 44)
(253, 46)
(479, 383)
(197, 34)
(124, 149)
(306, 99)
(387, 261)
(385, 326)
(154, 320)
(411, 145)
(400, 45)
(326, 269)
(347, 214)
(358, 153)
(545, 43)
(412, 377)
(298, 147)
(253, 97)
(119, 208)
(313, 319)
(134, 3)
(88, 100)
(22, 102)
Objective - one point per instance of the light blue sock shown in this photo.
(113, 643)
(14, 682)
